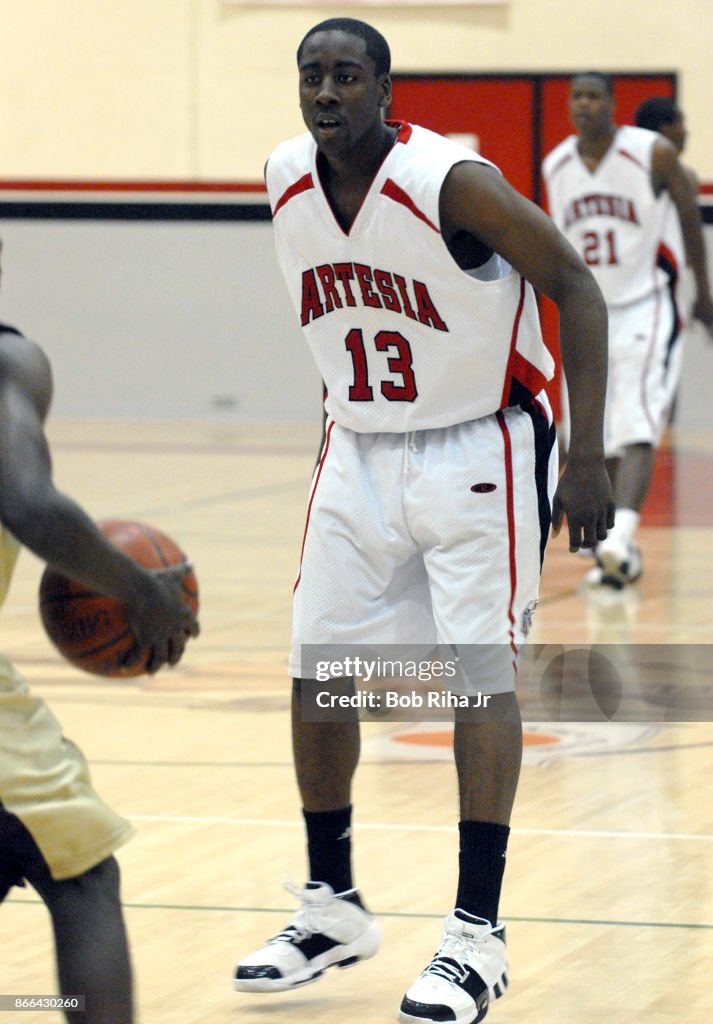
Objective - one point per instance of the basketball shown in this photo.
(90, 629)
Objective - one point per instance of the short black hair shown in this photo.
(654, 112)
(376, 45)
(606, 80)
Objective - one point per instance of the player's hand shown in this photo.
(161, 619)
(584, 497)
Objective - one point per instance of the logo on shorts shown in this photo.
(483, 488)
(527, 615)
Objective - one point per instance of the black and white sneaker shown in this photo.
(468, 971)
(328, 930)
(617, 564)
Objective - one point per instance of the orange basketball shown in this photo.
(90, 629)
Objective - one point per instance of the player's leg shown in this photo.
(611, 464)
(326, 794)
(91, 945)
(636, 467)
(644, 341)
(488, 755)
(63, 836)
(485, 577)
(346, 570)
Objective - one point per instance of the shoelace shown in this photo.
(448, 958)
(451, 970)
(300, 926)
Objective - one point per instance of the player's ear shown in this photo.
(383, 83)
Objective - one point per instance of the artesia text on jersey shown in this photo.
(598, 205)
(336, 285)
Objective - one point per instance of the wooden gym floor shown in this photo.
(609, 888)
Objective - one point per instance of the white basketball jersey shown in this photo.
(612, 216)
(403, 338)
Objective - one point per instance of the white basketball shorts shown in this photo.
(432, 537)
(644, 367)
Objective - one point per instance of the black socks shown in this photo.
(329, 847)
(482, 863)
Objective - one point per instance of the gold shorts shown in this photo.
(44, 781)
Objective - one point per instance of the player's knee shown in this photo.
(97, 886)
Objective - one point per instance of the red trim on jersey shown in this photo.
(669, 264)
(507, 446)
(522, 370)
(560, 164)
(322, 457)
(393, 191)
(518, 368)
(629, 156)
(665, 253)
(303, 185)
(405, 129)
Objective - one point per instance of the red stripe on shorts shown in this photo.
(653, 426)
(322, 457)
(511, 521)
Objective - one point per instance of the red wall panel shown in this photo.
(498, 111)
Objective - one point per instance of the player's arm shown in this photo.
(669, 173)
(56, 528)
(476, 199)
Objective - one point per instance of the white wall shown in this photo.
(159, 320)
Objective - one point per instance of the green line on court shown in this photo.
(408, 916)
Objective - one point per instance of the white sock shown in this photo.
(625, 526)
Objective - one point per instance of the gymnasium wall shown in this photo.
(203, 88)
(156, 317)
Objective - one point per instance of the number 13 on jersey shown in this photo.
(402, 389)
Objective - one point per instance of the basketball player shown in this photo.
(661, 114)
(55, 831)
(619, 195)
(408, 259)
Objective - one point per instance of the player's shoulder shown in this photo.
(289, 168)
(562, 153)
(633, 140)
(632, 133)
(23, 362)
(13, 346)
(414, 142)
(421, 161)
(291, 154)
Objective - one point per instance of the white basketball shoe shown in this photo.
(328, 930)
(468, 971)
(619, 564)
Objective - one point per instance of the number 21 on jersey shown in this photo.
(599, 249)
